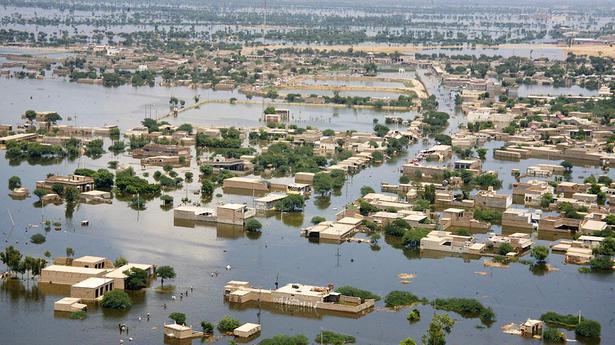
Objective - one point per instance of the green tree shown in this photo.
(136, 278)
(14, 182)
(71, 195)
(439, 327)
(291, 203)
(553, 336)
(567, 165)
(588, 329)
(407, 341)
(165, 272)
(207, 189)
(505, 248)
(317, 220)
(57, 188)
(120, 261)
(253, 225)
(37, 239)
(227, 324)
(381, 130)
(11, 257)
(103, 179)
(208, 327)
(206, 170)
(366, 190)
(323, 184)
(269, 110)
(30, 115)
(116, 299)
(540, 253)
(179, 318)
(70, 252)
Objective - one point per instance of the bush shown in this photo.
(136, 278)
(601, 264)
(400, 298)
(227, 324)
(505, 248)
(553, 335)
(179, 318)
(354, 292)
(207, 327)
(333, 338)
(78, 315)
(318, 220)
(487, 215)
(467, 307)
(38, 239)
(414, 315)
(568, 321)
(588, 329)
(116, 299)
(281, 339)
(366, 190)
(253, 225)
(407, 341)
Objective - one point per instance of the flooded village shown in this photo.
(289, 172)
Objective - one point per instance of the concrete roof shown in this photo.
(271, 197)
(92, 283)
(68, 301)
(177, 327)
(90, 259)
(305, 290)
(593, 225)
(73, 269)
(246, 327)
(232, 206)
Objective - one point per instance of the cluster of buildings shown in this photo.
(89, 278)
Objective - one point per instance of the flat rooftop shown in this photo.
(73, 269)
(271, 197)
(305, 290)
(90, 259)
(247, 327)
(232, 206)
(92, 283)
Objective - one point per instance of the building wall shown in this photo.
(66, 278)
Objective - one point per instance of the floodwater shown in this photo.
(544, 90)
(151, 236)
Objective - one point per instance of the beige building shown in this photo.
(245, 183)
(69, 304)
(491, 199)
(307, 296)
(247, 330)
(91, 289)
(446, 241)
(517, 219)
(236, 214)
(92, 262)
(176, 331)
(82, 183)
(69, 275)
(461, 219)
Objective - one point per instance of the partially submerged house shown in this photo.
(491, 199)
(177, 331)
(460, 218)
(446, 241)
(82, 183)
(307, 296)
